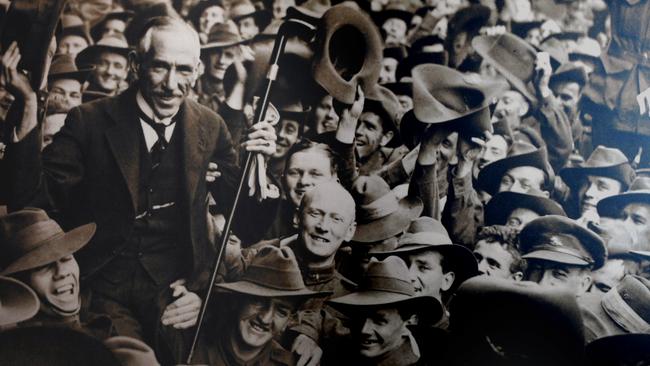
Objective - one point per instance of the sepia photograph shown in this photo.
(325, 182)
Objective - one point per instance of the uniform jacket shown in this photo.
(90, 173)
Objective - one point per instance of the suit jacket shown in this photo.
(90, 173)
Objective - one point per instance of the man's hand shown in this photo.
(644, 102)
(184, 311)
(213, 173)
(349, 117)
(543, 71)
(261, 139)
(308, 351)
(11, 78)
(468, 152)
(430, 145)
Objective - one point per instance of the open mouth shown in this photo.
(319, 239)
(65, 290)
(259, 328)
(368, 343)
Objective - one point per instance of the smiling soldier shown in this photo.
(37, 252)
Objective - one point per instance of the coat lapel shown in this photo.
(124, 141)
(194, 135)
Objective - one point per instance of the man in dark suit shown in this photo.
(140, 165)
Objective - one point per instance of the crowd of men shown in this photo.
(425, 182)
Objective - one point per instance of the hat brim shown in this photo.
(391, 225)
(87, 56)
(364, 300)
(556, 257)
(462, 260)
(19, 302)
(54, 249)
(613, 206)
(490, 176)
(503, 204)
(574, 176)
(221, 45)
(80, 75)
(250, 288)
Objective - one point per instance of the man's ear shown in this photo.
(296, 219)
(198, 71)
(385, 138)
(134, 62)
(351, 230)
(517, 276)
(585, 284)
(447, 280)
(523, 109)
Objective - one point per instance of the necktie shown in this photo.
(159, 147)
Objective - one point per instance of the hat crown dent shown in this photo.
(635, 291)
(389, 275)
(226, 32)
(604, 156)
(24, 231)
(275, 268)
(640, 184)
(368, 189)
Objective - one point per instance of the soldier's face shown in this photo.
(519, 217)
(113, 27)
(110, 72)
(57, 284)
(550, 274)
(510, 107)
(522, 179)
(169, 71)
(220, 60)
(495, 148)
(325, 115)
(248, 28)
(72, 45)
(65, 94)
(378, 332)
(426, 274)
(304, 170)
(369, 134)
(211, 15)
(608, 276)
(636, 218)
(325, 223)
(288, 132)
(388, 69)
(595, 189)
(261, 319)
(493, 260)
(568, 94)
(395, 30)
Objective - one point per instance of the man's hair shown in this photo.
(163, 23)
(508, 238)
(307, 145)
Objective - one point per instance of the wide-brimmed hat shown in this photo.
(619, 350)
(63, 67)
(273, 272)
(386, 283)
(31, 239)
(559, 239)
(53, 346)
(113, 44)
(197, 10)
(18, 302)
(603, 162)
(503, 322)
(499, 208)
(31, 24)
(513, 57)
(222, 35)
(426, 233)
(348, 51)
(613, 206)
(380, 213)
(445, 95)
(520, 154)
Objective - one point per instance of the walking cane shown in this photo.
(295, 24)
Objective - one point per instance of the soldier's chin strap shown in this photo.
(52, 310)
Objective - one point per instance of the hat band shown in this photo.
(388, 284)
(563, 250)
(425, 237)
(33, 236)
(381, 207)
(622, 314)
(274, 279)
